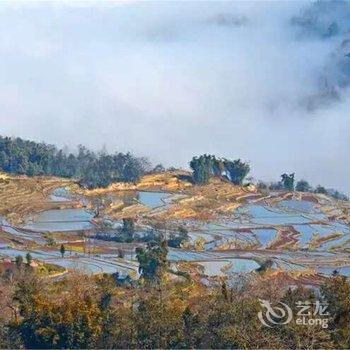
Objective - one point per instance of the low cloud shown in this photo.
(170, 80)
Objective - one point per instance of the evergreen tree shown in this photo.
(152, 261)
(236, 170)
(336, 292)
(19, 261)
(288, 181)
(62, 250)
(303, 186)
(206, 166)
(18, 156)
(29, 259)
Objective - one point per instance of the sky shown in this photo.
(266, 82)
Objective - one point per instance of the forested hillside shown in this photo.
(92, 169)
(96, 312)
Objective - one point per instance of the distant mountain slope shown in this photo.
(328, 22)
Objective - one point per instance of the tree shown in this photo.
(152, 261)
(218, 167)
(159, 168)
(129, 225)
(261, 185)
(276, 186)
(29, 259)
(303, 186)
(128, 228)
(118, 329)
(201, 167)
(230, 322)
(320, 189)
(236, 170)
(94, 312)
(304, 336)
(27, 288)
(19, 261)
(288, 181)
(191, 328)
(120, 253)
(69, 320)
(336, 292)
(49, 239)
(337, 195)
(62, 250)
(158, 321)
(176, 238)
(206, 166)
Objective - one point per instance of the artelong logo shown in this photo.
(280, 314)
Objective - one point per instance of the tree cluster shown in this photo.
(152, 261)
(129, 232)
(93, 312)
(206, 166)
(92, 169)
(288, 183)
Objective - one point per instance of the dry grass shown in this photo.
(23, 196)
(127, 212)
(209, 201)
(167, 181)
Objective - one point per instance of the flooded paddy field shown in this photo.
(60, 220)
(295, 233)
(152, 199)
(229, 267)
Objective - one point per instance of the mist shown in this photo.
(168, 80)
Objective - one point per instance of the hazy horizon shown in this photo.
(168, 80)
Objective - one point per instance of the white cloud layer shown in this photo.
(170, 80)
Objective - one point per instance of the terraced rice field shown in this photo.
(22, 196)
(231, 229)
